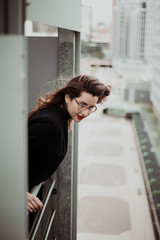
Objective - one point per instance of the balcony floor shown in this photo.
(112, 202)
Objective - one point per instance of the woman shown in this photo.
(49, 122)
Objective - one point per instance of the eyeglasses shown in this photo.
(82, 107)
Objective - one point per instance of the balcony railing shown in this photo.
(43, 224)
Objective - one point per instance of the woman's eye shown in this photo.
(83, 106)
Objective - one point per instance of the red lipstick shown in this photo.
(80, 117)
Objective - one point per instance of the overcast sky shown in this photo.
(101, 10)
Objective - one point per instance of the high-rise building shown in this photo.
(149, 30)
(155, 84)
(133, 36)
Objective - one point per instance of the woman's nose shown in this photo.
(86, 112)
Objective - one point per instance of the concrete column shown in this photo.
(66, 54)
(66, 70)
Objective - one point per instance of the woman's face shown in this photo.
(80, 107)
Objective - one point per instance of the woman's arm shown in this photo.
(43, 144)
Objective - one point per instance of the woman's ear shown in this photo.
(67, 98)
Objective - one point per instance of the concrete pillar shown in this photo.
(66, 70)
(66, 54)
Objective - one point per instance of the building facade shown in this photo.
(133, 47)
(133, 36)
(155, 84)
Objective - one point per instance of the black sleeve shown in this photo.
(42, 133)
(43, 147)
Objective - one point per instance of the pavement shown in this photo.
(112, 200)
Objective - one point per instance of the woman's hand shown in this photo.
(33, 203)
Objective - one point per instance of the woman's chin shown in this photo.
(76, 119)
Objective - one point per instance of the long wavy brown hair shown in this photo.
(77, 85)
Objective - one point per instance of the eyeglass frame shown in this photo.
(82, 105)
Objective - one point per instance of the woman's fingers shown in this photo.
(37, 203)
(33, 207)
(29, 207)
(33, 203)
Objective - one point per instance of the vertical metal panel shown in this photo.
(60, 13)
(42, 65)
(16, 16)
(13, 144)
(74, 182)
(12, 16)
(77, 52)
(75, 150)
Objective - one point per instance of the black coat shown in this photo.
(47, 143)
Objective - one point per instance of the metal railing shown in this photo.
(43, 224)
(148, 160)
(150, 168)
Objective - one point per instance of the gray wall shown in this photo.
(13, 144)
(42, 65)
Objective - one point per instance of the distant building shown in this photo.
(149, 30)
(133, 36)
(155, 84)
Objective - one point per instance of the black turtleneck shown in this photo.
(47, 142)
